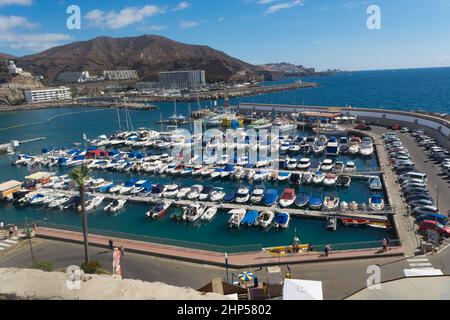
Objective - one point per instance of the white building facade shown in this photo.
(48, 95)
(120, 74)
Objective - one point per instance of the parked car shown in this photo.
(432, 217)
(432, 225)
(404, 130)
(395, 127)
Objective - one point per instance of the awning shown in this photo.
(294, 289)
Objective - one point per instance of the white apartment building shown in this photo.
(48, 95)
(188, 79)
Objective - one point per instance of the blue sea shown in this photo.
(425, 89)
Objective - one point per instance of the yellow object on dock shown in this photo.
(287, 250)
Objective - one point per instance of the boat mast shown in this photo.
(118, 116)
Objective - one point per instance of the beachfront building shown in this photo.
(74, 77)
(182, 79)
(120, 74)
(48, 95)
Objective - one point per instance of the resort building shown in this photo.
(74, 77)
(14, 70)
(120, 74)
(48, 95)
(182, 79)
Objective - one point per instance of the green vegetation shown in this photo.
(43, 265)
(91, 267)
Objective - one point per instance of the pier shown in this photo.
(306, 213)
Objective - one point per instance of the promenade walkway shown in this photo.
(237, 260)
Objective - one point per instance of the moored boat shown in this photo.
(281, 220)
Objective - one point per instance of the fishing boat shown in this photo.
(375, 183)
(243, 195)
(94, 203)
(376, 202)
(171, 191)
(307, 178)
(329, 180)
(343, 181)
(195, 192)
(287, 198)
(193, 212)
(250, 218)
(236, 217)
(183, 192)
(281, 220)
(283, 126)
(257, 195)
(265, 219)
(217, 194)
(270, 197)
(159, 209)
(283, 176)
(302, 200)
(331, 223)
(318, 178)
(330, 203)
(366, 148)
(115, 205)
(209, 213)
(315, 201)
(355, 222)
(326, 165)
(304, 164)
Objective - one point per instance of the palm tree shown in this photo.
(80, 176)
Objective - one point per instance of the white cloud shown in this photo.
(265, 1)
(189, 24)
(221, 19)
(12, 37)
(181, 6)
(124, 18)
(11, 22)
(15, 2)
(282, 6)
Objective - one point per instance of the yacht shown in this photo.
(354, 145)
(376, 202)
(332, 148)
(193, 212)
(236, 217)
(375, 183)
(257, 195)
(243, 195)
(115, 205)
(366, 147)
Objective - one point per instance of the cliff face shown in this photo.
(147, 54)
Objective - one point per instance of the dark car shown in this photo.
(432, 225)
(363, 127)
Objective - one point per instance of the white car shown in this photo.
(404, 130)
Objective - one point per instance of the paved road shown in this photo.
(340, 279)
(436, 179)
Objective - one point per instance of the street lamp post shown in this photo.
(29, 240)
(226, 265)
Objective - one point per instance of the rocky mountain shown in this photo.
(288, 69)
(5, 56)
(147, 54)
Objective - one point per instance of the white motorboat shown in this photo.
(115, 205)
(284, 176)
(243, 195)
(307, 178)
(376, 202)
(304, 164)
(94, 203)
(350, 167)
(338, 167)
(159, 209)
(326, 165)
(257, 195)
(330, 180)
(265, 219)
(183, 192)
(291, 163)
(330, 203)
(209, 214)
(287, 198)
(236, 217)
(366, 148)
(354, 145)
(217, 194)
(171, 191)
(260, 175)
(195, 192)
(318, 178)
(193, 212)
(375, 183)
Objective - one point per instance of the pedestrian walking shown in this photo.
(388, 243)
(122, 251)
(111, 247)
(326, 251)
(384, 244)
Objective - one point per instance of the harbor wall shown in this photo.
(434, 126)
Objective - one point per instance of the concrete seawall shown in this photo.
(434, 126)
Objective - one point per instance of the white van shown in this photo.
(413, 175)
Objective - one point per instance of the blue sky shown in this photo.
(315, 33)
